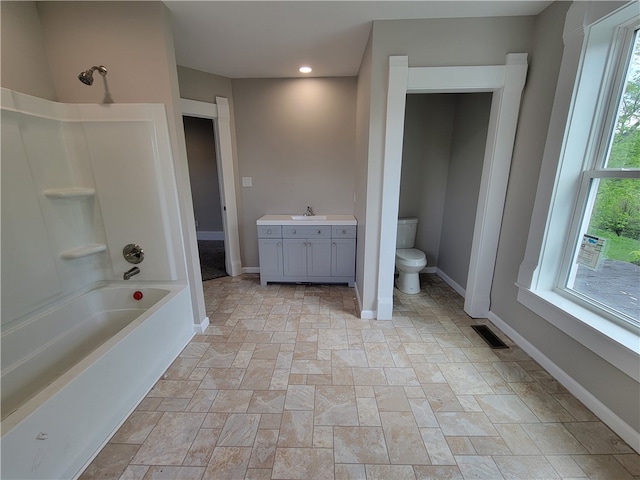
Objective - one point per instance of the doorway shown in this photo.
(205, 194)
(442, 156)
(506, 83)
(219, 114)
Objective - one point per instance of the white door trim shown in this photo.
(506, 83)
(221, 116)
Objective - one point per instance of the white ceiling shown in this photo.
(260, 39)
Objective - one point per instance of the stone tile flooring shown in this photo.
(287, 383)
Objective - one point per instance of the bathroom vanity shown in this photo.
(314, 249)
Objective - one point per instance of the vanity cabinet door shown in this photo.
(295, 257)
(343, 260)
(318, 257)
(270, 251)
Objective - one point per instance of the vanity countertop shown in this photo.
(311, 220)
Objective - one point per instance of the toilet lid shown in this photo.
(410, 255)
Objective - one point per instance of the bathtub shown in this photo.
(72, 374)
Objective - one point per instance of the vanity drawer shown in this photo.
(269, 231)
(343, 231)
(306, 231)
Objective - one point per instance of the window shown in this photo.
(580, 271)
(602, 264)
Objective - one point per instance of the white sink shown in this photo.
(308, 217)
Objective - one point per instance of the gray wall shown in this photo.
(203, 172)
(616, 390)
(432, 42)
(487, 42)
(25, 66)
(296, 140)
(426, 153)
(463, 184)
(126, 37)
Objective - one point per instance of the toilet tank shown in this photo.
(406, 235)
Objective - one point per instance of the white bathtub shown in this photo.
(72, 374)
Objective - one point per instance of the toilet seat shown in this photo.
(411, 257)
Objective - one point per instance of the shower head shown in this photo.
(86, 77)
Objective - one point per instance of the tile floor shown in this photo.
(287, 383)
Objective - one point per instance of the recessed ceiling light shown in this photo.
(305, 69)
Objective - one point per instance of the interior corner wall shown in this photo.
(426, 152)
(617, 391)
(468, 144)
(134, 41)
(25, 67)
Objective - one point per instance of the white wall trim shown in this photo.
(506, 82)
(209, 235)
(452, 283)
(250, 269)
(228, 188)
(394, 136)
(623, 429)
(202, 326)
(195, 108)
(364, 314)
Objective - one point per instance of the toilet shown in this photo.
(409, 261)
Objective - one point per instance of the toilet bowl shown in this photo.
(409, 263)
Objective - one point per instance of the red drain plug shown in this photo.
(137, 295)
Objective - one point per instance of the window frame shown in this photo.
(588, 83)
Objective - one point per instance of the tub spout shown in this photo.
(130, 273)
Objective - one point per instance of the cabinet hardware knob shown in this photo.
(279, 244)
(319, 232)
(294, 231)
(344, 232)
(334, 244)
(269, 232)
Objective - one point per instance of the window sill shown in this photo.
(617, 345)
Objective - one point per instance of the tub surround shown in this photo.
(313, 249)
(57, 431)
(89, 180)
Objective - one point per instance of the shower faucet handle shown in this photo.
(133, 253)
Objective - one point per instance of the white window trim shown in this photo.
(574, 112)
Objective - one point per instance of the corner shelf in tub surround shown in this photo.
(72, 192)
(83, 251)
(314, 249)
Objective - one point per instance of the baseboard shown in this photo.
(209, 235)
(604, 413)
(250, 269)
(384, 309)
(429, 270)
(449, 281)
(201, 327)
(364, 314)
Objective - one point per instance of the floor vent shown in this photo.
(488, 336)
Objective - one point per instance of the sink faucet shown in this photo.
(130, 273)
(309, 212)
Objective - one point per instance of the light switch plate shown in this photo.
(246, 182)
